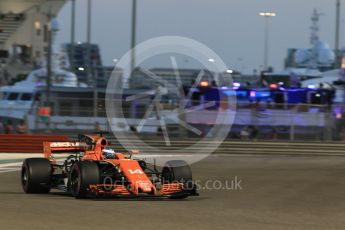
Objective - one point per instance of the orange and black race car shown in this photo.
(91, 168)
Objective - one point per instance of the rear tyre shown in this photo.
(36, 175)
(83, 174)
(178, 171)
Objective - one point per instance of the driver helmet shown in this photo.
(108, 153)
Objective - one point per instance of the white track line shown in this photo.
(10, 164)
(7, 171)
(10, 167)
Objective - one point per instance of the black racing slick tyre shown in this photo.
(36, 175)
(83, 174)
(178, 171)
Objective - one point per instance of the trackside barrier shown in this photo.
(26, 143)
(238, 147)
(33, 143)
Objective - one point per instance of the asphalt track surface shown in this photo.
(277, 192)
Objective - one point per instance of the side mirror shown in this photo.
(135, 151)
(131, 152)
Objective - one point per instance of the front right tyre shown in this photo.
(178, 171)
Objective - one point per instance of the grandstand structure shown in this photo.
(24, 27)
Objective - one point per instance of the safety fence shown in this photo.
(263, 121)
(256, 120)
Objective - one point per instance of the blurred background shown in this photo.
(284, 80)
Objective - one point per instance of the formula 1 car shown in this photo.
(91, 168)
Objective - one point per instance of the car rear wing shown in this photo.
(49, 148)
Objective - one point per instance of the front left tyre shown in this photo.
(83, 174)
(36, 175)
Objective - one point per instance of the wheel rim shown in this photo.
(75, 182)
(24, 177)
(167, 175)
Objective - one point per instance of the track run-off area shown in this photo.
(237, 191)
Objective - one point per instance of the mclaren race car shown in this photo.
(91, 168)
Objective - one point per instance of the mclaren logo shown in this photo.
(136, 171)
(64, 144)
